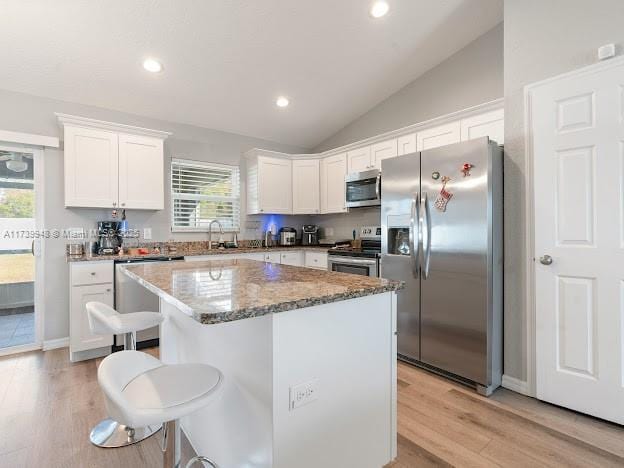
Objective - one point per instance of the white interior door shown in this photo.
(578, 151)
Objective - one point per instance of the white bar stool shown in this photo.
(104, 320)
(142, 391)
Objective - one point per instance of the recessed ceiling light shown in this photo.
(282, 101)
(379, 9)
(152, 65)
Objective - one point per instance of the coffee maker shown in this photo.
(109, 237)
(309, 234)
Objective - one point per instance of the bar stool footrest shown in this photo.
(110, 434)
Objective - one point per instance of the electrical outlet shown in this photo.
(303, 394)
(147, 233)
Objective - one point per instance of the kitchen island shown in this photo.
(309, 359)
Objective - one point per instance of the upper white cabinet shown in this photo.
(111, 165)
(359, 160)
(269, 183)
(141, 172)
(406, 144)
(310, 184)
(91, 168)
(333, 171)
(441, 135)
(384, 150)
(306, 186)
(490, 124)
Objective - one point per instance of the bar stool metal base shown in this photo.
(110, 434)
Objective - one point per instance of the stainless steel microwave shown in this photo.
(363, 188)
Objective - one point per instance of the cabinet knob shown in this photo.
(114, 203)
(108, 290)
(93, 273)
(123, 204)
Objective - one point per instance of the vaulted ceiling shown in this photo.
(226, 61)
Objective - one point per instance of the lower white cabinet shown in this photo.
(295, 258)
(301, 258)
(272, 257)
(316, 260)
(252, 256)
(90, 281)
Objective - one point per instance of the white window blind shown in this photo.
(202, 192)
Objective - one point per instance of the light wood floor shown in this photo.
(48, 405)
(441, 423)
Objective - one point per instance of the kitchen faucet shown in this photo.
(210, 231)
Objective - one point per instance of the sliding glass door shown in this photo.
(18, 227)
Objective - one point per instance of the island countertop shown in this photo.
(216, 291)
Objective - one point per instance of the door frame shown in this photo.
(39, 246)
(530, 386)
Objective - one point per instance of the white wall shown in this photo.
(24, 113)
(343, 224)
(542, 39)
(472, 76)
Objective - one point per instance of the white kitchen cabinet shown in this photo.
(317, 260)
(333, 172)
(269, 184)
(273, 257)
(91, 168)
(141, 172)
(359, 160)
(89, 281)
(406, 144)
(306, 186)
(81, 337)
(438, 136)
(252, 256)
(295, 258)
(490, 124)
(111, 165)
(384, 150)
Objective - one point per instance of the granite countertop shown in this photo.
(217, 291)
(189, 253)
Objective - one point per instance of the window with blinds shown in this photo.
(202, 192)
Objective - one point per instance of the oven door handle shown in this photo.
(378, 187)
(356, 261)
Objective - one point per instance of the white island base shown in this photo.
(345, 351)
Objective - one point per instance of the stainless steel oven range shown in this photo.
(363, 261)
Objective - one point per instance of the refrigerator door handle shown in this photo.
(427, 242)
(414, 235)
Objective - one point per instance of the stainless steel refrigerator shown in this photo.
(441, 217)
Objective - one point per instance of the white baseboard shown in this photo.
(516, 385)
(58, 343)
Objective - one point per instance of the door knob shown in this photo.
(546, 260)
